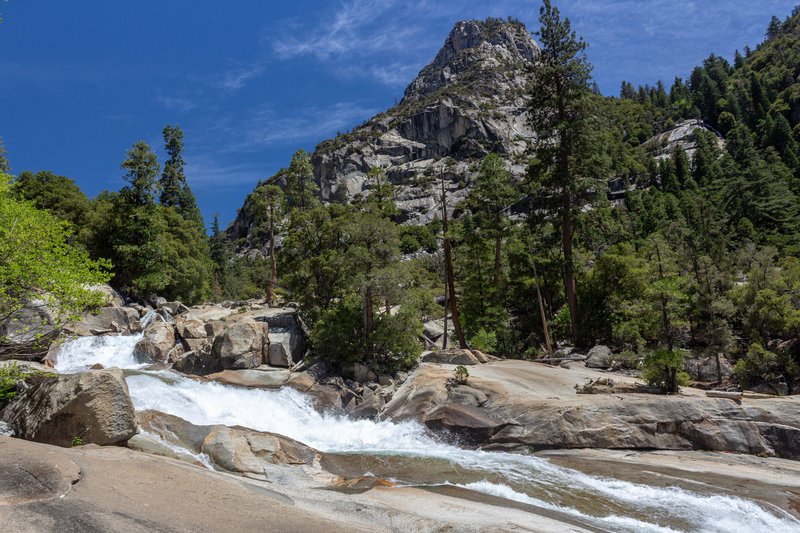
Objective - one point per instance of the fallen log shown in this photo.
(559, 359)
(724, 394)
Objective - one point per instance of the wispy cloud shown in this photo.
(205, 171)
(175, 103)
(267, 127)
(236, 78)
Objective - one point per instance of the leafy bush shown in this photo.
(461, 374)
(484, 341)
(760, 364)
(664, 369)
(10, 375)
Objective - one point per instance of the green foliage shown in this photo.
(343, 266)
(10, 375)
(760, 364)
(38, 263)
(301, 190)
(461, 374)
(76, 441)
(664, 369)
(484, 341)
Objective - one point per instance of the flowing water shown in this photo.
(405, 453)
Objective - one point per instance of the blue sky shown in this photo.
(250, 82)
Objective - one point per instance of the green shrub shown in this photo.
(664, 369)
(10, 375)
(484, 341)
(461, 374)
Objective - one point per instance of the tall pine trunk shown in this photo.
(273, 272)
(448, 261)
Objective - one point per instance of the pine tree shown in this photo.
(491, 194)
(301, 189)
(173, 180)
(175, 191)
(142, 171)
(559, 113)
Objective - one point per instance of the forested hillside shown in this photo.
(632, 241)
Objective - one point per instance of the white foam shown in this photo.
(78, 355)
(520, 477)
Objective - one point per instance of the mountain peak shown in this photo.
(471, 45)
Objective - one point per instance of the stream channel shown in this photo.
(407, 454)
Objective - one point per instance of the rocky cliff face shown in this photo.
(469, 101)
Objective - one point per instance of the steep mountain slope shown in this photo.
(469, 101)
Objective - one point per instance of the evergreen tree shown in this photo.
(559, 113)
(488, 199)
(175, 191)
(268, 205)
(301, 190)
(141, 176)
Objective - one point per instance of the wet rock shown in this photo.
(243, 345)
(173, 308)
(471, 426)
(94, 406)
(265, 379)
(199, 363)
(155, 346)
(450, 357)
(370, 406)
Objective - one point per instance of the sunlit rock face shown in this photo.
(468, 102)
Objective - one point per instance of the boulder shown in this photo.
(242, 345)
(539, 404)
(265, 379)
(450, 357)
(433, 329)
(93, 406)
(362, 373)
(155, 346)
(28, 366)
(285, 346)
(29, 330)
(370, 405)
(600, 357)
(705, 369)
(471, 426)
(107, 321)
(113, 298)
(190, 328)
(198, 362)
(214, 328)
(235, 449)
(173, 308)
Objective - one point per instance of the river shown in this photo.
(407, 454)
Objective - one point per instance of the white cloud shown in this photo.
(235, 79)
(205, 171)
(175, 103)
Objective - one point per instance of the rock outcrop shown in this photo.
(524, 405)
(92, 406)
(469, 101)
(235, 449)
